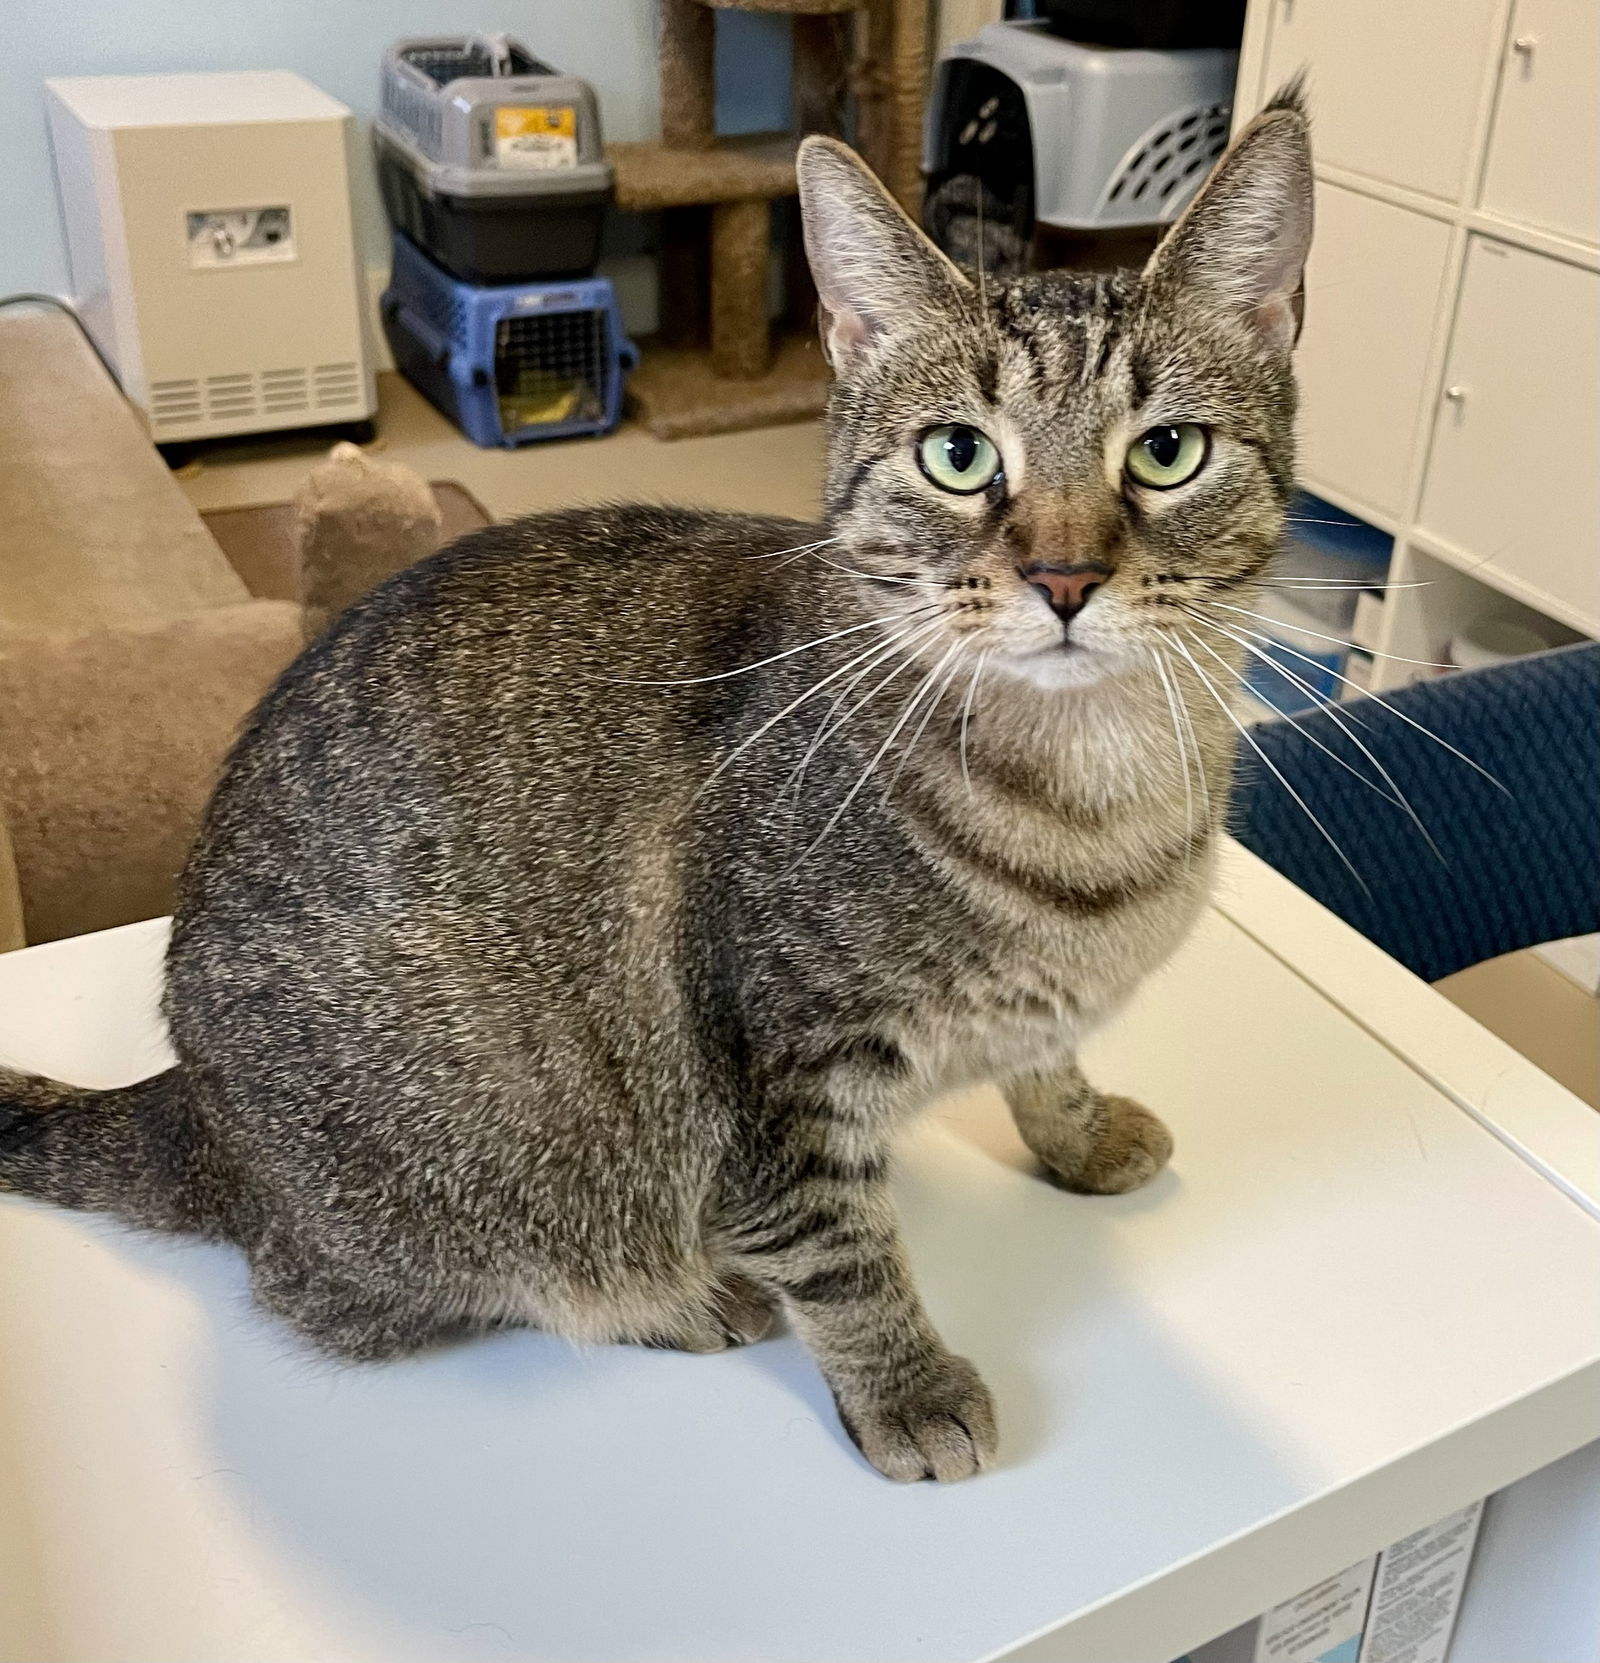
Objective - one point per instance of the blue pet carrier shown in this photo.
(510, 363)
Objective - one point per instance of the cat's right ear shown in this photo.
(873, 268)
(1244, 239)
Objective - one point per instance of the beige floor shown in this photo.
(1536, 1009)
(774, 470)
(778, 470)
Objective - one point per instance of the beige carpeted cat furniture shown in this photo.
(358, 520)
(135, 636)
(718, 366)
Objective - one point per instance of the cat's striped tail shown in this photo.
(136, 1152)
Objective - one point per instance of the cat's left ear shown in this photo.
(873, 268)
(1243, 241)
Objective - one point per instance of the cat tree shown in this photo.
(718, 365)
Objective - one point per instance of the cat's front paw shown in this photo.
(1132, 1147)
(938, 1425)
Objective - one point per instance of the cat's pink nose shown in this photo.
(1067, 588)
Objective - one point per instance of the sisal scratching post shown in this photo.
(874, 100)
(740, 237)
(908, 78)
(853, 59)
(821, 73)
(891, 81)
(688, 43)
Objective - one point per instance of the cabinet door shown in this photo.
(1372, 292)
(1394, 84)
(1512, 478)
(1544, 156)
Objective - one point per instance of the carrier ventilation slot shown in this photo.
(1168, 158)
(443, 62)
(551, 368)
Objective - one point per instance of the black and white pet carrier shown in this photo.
(1028, 128)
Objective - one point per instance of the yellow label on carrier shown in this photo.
(536, 136)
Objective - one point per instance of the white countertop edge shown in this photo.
(1546, 1125)
(1238, 1577)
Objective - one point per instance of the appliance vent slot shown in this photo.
(174, 403)
(283, 392)
(337, 384)
(230, 397)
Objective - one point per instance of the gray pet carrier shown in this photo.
(1086, 138)
(490, 160)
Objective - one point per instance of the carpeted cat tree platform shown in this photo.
(718, 364)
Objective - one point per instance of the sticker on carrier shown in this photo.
(537, 137)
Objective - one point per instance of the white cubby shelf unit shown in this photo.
(1451, 353)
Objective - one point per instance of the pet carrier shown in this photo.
(491, 161)
(1160, 25)
(510, 363)
(1042, 130)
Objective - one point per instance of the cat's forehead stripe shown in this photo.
(1067, 331)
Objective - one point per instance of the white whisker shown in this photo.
(1337, 717)
(1194, 745)
(1338, 641)
(772, 721)
(966, 713)
(1249, 739)
(876, 577)
(1383, 704)
(899, 670)
(908, 641)
(877, 756)
(1337, 585)
(1284, 715)
(1177, 735)
(744, 670)
(955, 652)
(798, 548)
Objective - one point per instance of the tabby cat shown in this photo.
(578, 919)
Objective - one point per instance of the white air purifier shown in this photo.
(212, 251)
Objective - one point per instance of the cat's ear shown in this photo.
(1243, 241)
(873, 268)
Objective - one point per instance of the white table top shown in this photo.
(1367, 1293)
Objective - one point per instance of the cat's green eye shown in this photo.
(958, 458)
(1168, 456)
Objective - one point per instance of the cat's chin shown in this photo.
(1063, 669)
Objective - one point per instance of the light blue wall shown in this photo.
(337, 44)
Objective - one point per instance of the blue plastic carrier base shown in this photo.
(509, 363)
